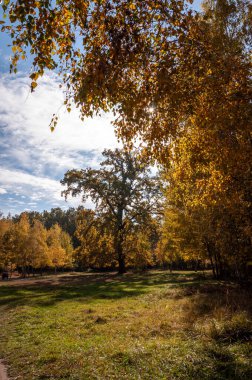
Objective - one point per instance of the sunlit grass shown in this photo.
(155, 325)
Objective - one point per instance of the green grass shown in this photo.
(154, 325)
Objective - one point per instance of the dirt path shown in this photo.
(3, 372)
(64, 279)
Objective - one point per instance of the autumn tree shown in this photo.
(7, 259)
(178, 245)
(178, 80)
(96, 248)
(59, 248)
(37, 246)
(27, 244)
(21, 233)
(66, 219)
(129, 58)
(153, 63)
(168, 249)
(209, 174)
(66, 243)
(122, 191)
(137, 245)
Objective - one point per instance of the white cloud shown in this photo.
(26, 119)
(33, 159)
(11, 178)
(36, 189)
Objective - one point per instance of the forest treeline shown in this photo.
(34, 242)
(134, 224)
(79, 239)
(28, 246)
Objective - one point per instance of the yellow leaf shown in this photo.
(33, 85)
(34, 76)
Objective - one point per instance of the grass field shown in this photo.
(154, 325)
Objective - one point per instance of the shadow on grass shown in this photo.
(225, 365)
(224, 310)
(210, 297)
(225, 307)
(90, 287)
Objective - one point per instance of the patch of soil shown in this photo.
(3, 372)
(60, 279)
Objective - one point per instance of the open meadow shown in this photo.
(153, 325)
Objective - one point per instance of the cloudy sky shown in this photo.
(32, 158)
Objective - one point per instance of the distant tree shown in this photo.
(31, 215)
(66, 219)
(178, 241)
(37, 246)
(7, 259)
(59, 248)
(96, 249)
(66, 244)
(20, 241)
(137, 245)
(168, 248)
(122, 190)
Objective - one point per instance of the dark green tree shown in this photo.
(123, 192)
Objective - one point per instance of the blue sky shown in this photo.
(32, 159)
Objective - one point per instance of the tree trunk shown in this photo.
(210, 255)
(119, 242)
(119, 252)
(121, 267)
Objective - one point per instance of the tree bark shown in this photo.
(121, 262)
(119, 242)
(119, 252)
